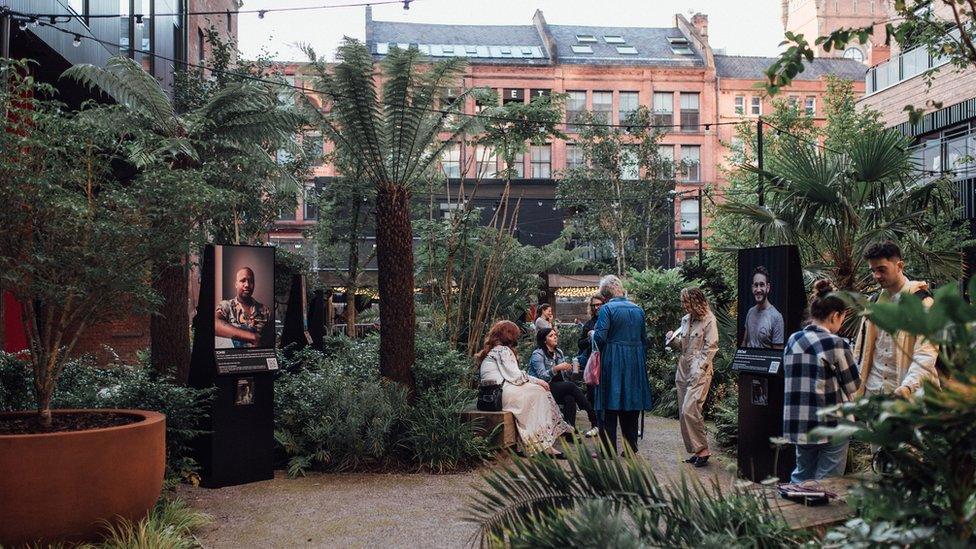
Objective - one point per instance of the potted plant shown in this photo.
(81, 227)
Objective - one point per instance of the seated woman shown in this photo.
(820, 371)
(548, 364)
(528, 398)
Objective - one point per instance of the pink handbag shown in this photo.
(591, 375)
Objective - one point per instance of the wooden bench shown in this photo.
(817, 518)
(485, 422)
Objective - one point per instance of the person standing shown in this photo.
(621, 337)
(548, 364)
(893, 364)
(585, 341)
(544, 320)
(697, 341)
(819, 372)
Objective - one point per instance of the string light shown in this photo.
(139, 22)
(77, 41)
(22, 25)
(261, 12)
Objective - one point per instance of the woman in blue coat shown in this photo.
(621, 338)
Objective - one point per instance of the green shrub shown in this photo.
(333, 421)
(170, 524)
(658, 292)
(358, 358)
(725, 413)
(85, 385)
(437, 438)
(660, 375)
(440, 366)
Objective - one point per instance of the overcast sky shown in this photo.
(742, 27)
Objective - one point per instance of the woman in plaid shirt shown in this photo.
(820, 372)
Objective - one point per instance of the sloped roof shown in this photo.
(753, 68)
(653, 46)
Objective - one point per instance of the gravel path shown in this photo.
(386, 510)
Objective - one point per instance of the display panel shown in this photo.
(244, 314)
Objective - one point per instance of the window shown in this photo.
(793, 101)
(663, 109)
(627, 50)
(689, 112)
(486, 164)
(310, 201)
(614, 39)
(200, 44)
(287, 214)
(629, 164)
(603, 106)
(230, 24)
(680, 45)
(471, 50)
(691, 163)
(575, 104)
(666, 152)
(811, 105)
(527, 51)
(314, 147)
(125, 46)
(449, 209)
(142, 29)
(740, 104)
(689, 217)
(755, 105)
(541, 156)
(627, 105)
(854, 53)
(518, 165)
(582, 49)
(585, 38)
(574, 156)
(451, 161)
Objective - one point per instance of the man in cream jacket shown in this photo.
(893, 364)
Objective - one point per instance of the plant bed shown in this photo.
(30, 424)
(66, 485)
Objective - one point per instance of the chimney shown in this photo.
(369, 27)
(548, 42)
(700, 21)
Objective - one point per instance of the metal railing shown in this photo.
(906, 65)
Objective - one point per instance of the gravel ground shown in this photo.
(387, 510)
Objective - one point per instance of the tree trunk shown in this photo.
(169, 328)
(394, 253)
(353, 265)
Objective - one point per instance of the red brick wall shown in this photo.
(200, 23)
(125, 336)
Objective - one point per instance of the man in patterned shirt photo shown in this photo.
(243, 319)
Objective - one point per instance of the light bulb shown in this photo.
(77, 41)
(35, 22)
(261, 14)
(22, 25)
(139, 22)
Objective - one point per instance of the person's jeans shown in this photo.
(819, 461)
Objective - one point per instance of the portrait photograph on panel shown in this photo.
(244, 292)
(768, 311)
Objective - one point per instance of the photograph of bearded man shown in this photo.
(764, 324)
(243, 319)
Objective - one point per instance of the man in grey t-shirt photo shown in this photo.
(764, 324)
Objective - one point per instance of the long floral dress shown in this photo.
(537, 417)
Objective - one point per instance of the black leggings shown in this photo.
(628, 424)
(568, 395)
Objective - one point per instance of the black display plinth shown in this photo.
(761, 417)
(238, 446)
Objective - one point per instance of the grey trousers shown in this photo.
(693, 385)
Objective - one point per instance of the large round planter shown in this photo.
(64, 486)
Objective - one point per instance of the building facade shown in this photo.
(814, 18)
(611, 70)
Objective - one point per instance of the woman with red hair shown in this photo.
(537, 417)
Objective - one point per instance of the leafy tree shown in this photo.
(235, 126)
(83, 226)
(834, 202)
(393, 126)
(915, 23)
(618, 194)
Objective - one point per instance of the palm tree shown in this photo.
(614, 502)
(834, 204)
(397, 124)
(240, 118)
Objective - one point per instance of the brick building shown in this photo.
(813, 18)
(672, 70)
(224, 22)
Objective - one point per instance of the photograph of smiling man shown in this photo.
(764, 325)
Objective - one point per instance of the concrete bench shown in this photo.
(484, 422)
